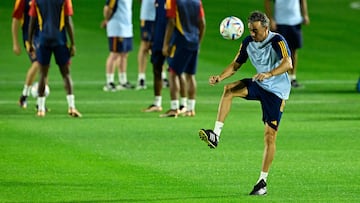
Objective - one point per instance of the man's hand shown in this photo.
(30, 49)
(72, 50)
(103, 24)
(306, 20)
(261, 76)
(16, 49)
(166, 50)
(214, 79)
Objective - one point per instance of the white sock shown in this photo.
(163, 74)
(218, 127)
(191, 105)
(263, 175)
(26, 90)
(109, 78)
(41, 103)
(174, 104)
(292, 77)
(158, 101)
(183, 101)
(123, 78)
(71, 101)
(141, 76)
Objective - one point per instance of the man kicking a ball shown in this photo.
(270, 55)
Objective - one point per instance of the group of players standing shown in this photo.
(171, 37)
(177, 43)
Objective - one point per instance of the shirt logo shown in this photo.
(274, 123)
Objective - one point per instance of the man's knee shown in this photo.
(227, 91)
(270, 135)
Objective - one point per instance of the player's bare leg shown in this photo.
(157, 70)
(142, 62)
(68, 85)
(111, 63)
(122, 66)
(191, 95)
(235, 89)
(292, 72)
(44, 69)
(157, 80)
(65, 73)
(183, 89)
(174, 90)
(269, 147)
(164, 77)
(31, 73)
(29, 80)
(268, 157)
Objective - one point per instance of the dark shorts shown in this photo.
(147, 30)
(120, 44)
(157, 58)
(183, 60)
(292, 34)
(272, 106)
(61, 53)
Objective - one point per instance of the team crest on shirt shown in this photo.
(274, 123)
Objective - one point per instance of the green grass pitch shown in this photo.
(116, 153)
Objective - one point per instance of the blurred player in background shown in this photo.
(269, 54)
(286, 17)
(55, 23)
(158, 60)
(20, 18)
(119, 29)
(184, 32)
(147, 18)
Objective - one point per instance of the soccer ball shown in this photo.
(231, 28)
(34, 90)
